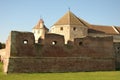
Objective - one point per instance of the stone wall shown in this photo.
(84, 54)
(22, 44)
(117, 52)
(116, 37)
(7, 54)
(59, 64)
(78, 32)
(53, 39)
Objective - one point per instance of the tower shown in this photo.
(70, 26)
(40, 30)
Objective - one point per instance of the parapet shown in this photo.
(54, 39)
(22, 43)
(93, 41)
(84, 54)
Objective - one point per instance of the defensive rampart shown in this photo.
(52, 55)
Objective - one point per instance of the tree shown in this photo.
(2, 45)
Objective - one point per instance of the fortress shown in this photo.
(71, 45)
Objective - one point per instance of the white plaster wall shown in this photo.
(65, 31)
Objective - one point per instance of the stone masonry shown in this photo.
(84, 54)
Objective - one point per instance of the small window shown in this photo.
(25, 42)
(80, 43)
(61, 28)
(74, 28)
(54, 42)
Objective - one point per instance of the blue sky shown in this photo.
(22, 15)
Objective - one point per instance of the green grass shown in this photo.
(107, 75)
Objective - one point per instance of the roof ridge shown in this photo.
(81, 21)
(73, 16)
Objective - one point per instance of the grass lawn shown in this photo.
(111, 75)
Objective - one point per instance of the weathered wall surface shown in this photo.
(62, 30)
(22, 44)
(2, 53)
(54, 39)
(84, 54)
(78, 32)
(116, 37)
(59, 64)
(7, 54)
(117, 56)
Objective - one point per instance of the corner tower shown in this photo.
(70, 26)
(40, 30)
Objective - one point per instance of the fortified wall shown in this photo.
(52, 55)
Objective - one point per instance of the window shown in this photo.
(74, 28)
(61, 28)
(25, 41)
(54, 42)
(80, 43)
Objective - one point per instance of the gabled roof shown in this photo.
(102, 29)
(38, 26)
(70, 19)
